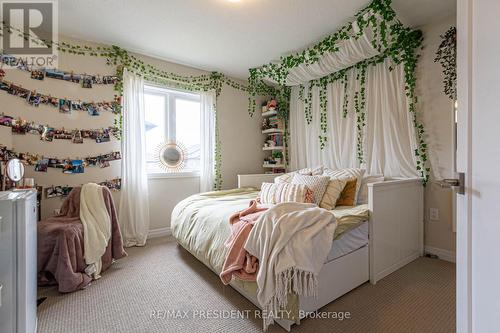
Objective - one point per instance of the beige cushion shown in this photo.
(287, 177)
(347, 174)
(317, 184)
(273, 193)
(332, 193)
(363, 191)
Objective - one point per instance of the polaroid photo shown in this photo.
(103, 163)
(87, 82)
(64, 105)
(66, 190)
(34, 99)
(50, 192)
(55, 74)
(77, 137)
(42, 165)
(37, 75)
(58, 191)
(68, 167)
(92, 110)
(103, 137)
(6, 121)
(77, 166)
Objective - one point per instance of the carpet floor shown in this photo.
(162, 288)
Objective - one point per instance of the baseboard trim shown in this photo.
(159, 232)
(446, 255)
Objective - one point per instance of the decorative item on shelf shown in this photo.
(64, 105)
(171, 156)
(48, 133)
(277, 157)
(55, 191)
(69, 166)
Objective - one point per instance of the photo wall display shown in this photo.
(85, 80)
(49, 134)
(55, 191)
(64, 105)
(67, 165)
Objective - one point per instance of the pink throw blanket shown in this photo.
(238, 261)
(60, 245)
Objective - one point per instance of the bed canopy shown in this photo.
(350, 98)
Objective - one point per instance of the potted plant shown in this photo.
(277, 156)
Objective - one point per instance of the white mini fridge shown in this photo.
(18, 271)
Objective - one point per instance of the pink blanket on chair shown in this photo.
(60, 245)
(238, 261)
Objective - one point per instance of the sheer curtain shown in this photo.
(389, 139)
(134, 204)
(207, 149)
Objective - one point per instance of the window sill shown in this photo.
(173, 175)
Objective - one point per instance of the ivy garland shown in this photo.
(390, 38)
(446, 55)
(121, 58)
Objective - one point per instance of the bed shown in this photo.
(371, 241)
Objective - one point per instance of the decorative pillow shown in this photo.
(348, 195)
(287, 177)
(317, 184)
(285, 192)
(332, 193)
(347, 174)
(363, 191)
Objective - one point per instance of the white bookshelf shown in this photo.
(272, 131)
(273, 166)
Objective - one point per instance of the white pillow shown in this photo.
(363, 191)
(349, 173)
(287, 177)
(317, 184)
(285, 192)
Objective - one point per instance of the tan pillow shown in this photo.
(332, 193)
(348, 173)
(285, 192)
(348, 195)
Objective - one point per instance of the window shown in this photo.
(172, 115)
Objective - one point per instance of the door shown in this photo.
(478, 156)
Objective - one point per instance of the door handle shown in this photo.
(456, 183)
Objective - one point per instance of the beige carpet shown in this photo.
(163, 277)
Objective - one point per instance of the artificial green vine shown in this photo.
(390, 38)
(121, 58)
(323, 104)
(446, 55)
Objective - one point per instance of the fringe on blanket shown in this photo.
(291, 280)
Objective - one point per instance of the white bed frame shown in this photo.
(396, 239)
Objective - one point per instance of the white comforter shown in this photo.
(291, 241)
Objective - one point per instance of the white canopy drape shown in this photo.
(389, 139)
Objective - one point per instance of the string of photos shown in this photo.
(86, 80)
(55, 191)
(64, 105)
(120, 58)
(48, 133)
(67, 165)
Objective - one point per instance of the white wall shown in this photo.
(436, 112)
(240, 134)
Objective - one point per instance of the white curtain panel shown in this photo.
(134, 203)
(207, 149)
(389, 137)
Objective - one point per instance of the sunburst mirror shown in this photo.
(171, 156)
